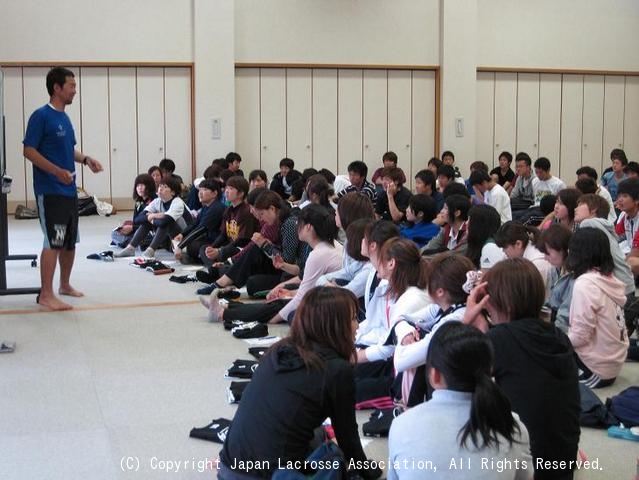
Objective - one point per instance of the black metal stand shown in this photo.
(4, 255)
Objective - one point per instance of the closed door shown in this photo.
(593, 106)
(150, 107)
(572, 97)
(16, 165)
(273, 118)
(527, 114)
(299, 117)
(549, 116)
(423, 121)
(124, 165)
(399, 119)
(505, 112)
(485, 118)
(349, 114)
(247, 117)
(613, 133)
(324, 109)
(374, 116)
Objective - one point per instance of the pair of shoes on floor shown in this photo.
(182, 278)
(380, 422)
(158, 268)
(226, 293)
(212, 304)
(107, 256)
(204, 276)
(250, 330)
(7, 347)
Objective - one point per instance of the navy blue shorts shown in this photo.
(59, 221)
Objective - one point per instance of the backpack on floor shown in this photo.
(594, 413)
(625, 406)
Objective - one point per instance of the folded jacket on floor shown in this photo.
(241, 369)
(214, 432)
(250, 330)
(235, 390)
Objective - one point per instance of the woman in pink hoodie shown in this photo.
(597, 327)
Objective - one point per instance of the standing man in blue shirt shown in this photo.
(49, 144)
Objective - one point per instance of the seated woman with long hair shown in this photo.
(316, 227)
(447, 276)
(534, 362)
(483, 223)
(597, 324)
(467, 420)
(300, 381)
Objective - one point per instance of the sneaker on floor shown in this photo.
(229, 294)
(231, 324)
(205, 290)
(204, 276)
(126, 252)
(250, 330)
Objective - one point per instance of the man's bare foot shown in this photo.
(70, 292)
(53, 303)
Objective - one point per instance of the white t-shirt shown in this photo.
(498, 198)
(541, 188)
(490, 255)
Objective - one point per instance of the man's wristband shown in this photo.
(84, 160)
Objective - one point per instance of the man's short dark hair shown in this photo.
(232, 157)
(436, 162)
(446, 171)
(287, 162)
(455, 188)
(631, 167)
(630, 187)
(507, 155)
(395, 174)
(478, 177)
(240, 184)
(173, 183)
(586, 185)
(589, 171)
(211, 184)
(167, 165)
(390, 156)
(523, 157)
(619, 154)
(57, 76)
(328, 175)
(255, 174)
(425, 204)
(358, 167)
(428, 177)
(448, 153)
(543, 163)
(479, 165)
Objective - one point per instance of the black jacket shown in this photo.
(535, 367)
(283, 405)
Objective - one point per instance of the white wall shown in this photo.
(213, 34)
(562, 34)
(403, 32)
(84, 31)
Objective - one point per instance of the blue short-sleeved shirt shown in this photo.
(50, 132)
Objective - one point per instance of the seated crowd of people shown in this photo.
(471, 309)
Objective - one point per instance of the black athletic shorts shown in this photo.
(59, 221)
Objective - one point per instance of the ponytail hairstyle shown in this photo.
(510, 232)
(268, 198)
(355, 236)
(447, 270)
(322, 220)
(409, 271)
(317, 184)
(464, 357)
